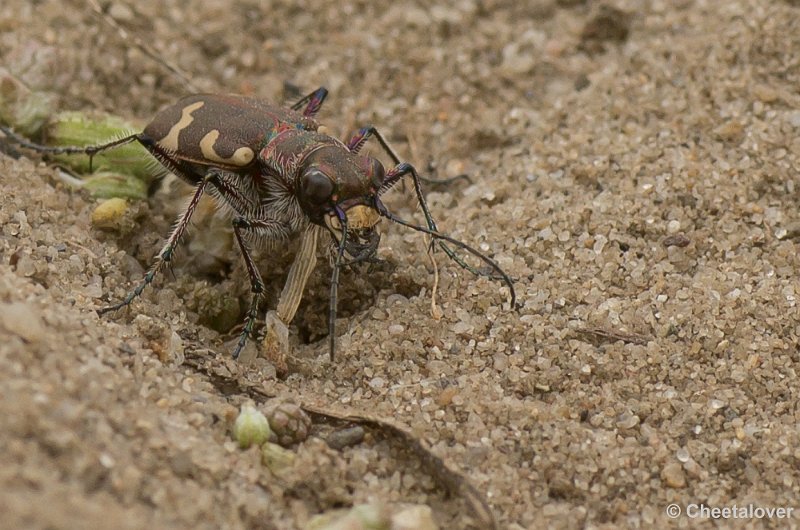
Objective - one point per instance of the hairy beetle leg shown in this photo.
(164, 257)
(400, 170)
(241, 224)
(256, 284)
(313, 102)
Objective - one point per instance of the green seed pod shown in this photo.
(82, 129)
(105, 185)
(251, 427)
(276, 458)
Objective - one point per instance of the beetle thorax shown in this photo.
(285, 151)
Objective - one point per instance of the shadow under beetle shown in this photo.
(276, 174)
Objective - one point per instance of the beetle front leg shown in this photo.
(360, 138)
(395, 174)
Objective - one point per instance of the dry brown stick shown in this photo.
(452, 480)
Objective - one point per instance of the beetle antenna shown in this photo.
(335, 282)
(438, 235)
(89, 150)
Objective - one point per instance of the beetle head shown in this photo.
(333, 183)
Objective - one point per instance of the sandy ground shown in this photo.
(636, 174)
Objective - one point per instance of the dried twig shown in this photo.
(446, 476)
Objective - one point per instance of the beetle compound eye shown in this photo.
(317, 186)
(377, 174)
(373, 170)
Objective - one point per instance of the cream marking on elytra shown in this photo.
(170, 141)
(241, 157)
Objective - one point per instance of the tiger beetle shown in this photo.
(277, 175)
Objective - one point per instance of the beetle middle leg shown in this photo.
(256, 283)
(312, 101)
(275, 346)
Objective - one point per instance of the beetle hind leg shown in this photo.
(165, 255)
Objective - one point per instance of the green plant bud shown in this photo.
(105, 185)
(251, 427)
(91, 128)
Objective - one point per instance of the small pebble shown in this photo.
(673, 227)
(627, 421)
(678, 240)
(377, 383)
(418, 517)
(673, 475)
(23, 320)
(108, 214)
(120, 12)
(794, 118)
(373, 516)
(345, 437)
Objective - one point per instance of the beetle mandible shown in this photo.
(277, 174)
